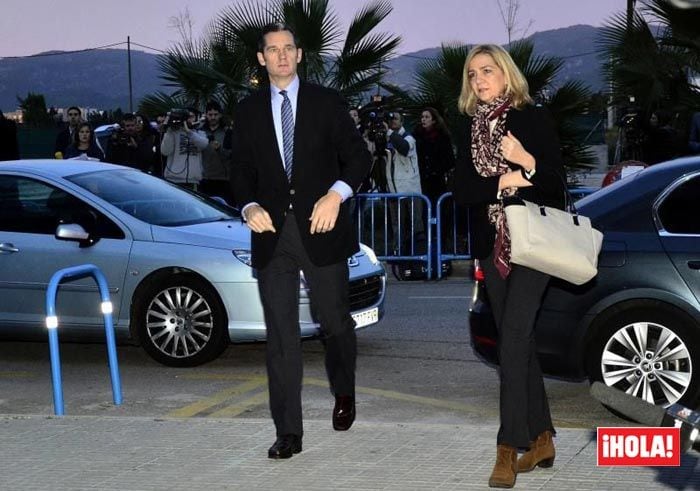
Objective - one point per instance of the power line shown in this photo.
(149, 47)
(559, 57)
(60, 53)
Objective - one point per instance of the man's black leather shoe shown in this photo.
(343, 413)
(284, 447)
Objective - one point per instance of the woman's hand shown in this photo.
(513, 151)
(512, 179)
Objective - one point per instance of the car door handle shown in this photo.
(7, 247)
(694, 264)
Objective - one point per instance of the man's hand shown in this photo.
(325, 212)
(258, 220)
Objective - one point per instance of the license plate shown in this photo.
(366, 318)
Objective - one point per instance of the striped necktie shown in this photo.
(287, 134)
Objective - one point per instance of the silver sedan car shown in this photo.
(177, 263)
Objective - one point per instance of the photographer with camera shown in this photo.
(216, 157)
(374, 130)
(127, 146)
(182, 144)
(403, 176)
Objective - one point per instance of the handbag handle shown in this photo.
(568, 199)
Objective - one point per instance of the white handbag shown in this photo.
(553, 241)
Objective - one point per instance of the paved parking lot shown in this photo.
(427, 416)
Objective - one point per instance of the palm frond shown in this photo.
(367, 56)
(539, 71)
(317, 30)
(681, 28)
(160, 103)
(368, 18)
(224, 64)
(439, 81)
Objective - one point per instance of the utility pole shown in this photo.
(630, 13)
(128, 55)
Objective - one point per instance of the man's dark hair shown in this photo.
(74, 107)
(213, 105)
(129, 117)
(275, 27)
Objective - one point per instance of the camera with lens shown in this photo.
(176, 118)
(375, 117)
(120, 136)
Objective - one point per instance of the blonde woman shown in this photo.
(512, 149)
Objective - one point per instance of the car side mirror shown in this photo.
(74, 232)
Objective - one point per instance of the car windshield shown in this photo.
(152, 200)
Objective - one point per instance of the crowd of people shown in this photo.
(419, 158)
(179, 146)
(196, 152)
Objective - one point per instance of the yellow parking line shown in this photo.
(235, 409)
(400, 396)
(258, 399)
(208, 402)
(222, 376)
(255, 381)
(17, 374)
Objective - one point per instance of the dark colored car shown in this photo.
(636, 325)
(579, 192)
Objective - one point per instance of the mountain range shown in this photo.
(99, 79)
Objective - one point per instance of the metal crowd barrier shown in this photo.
(374, 227)
(453, 251)
(400, 244)
(52, 326)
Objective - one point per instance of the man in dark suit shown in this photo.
(297, 158)
(65, 137)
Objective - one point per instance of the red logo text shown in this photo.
(639, 446)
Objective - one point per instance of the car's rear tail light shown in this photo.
(478, 272)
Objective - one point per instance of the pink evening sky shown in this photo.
(33, 26)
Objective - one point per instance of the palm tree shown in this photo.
(651, 59)
(438, 84)
(224, 64)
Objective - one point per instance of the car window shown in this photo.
(678, 211)
(151, 199)
(31, 206)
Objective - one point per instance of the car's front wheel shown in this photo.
(180, 321)
(648, 350)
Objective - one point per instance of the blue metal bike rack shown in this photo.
(76, 272)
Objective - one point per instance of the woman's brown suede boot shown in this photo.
(503, 474)
(541, 453)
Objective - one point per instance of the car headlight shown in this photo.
(370, 254)
(244, 256)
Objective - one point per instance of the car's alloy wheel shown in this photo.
(650, 354)
(649, 361)
(181, 322)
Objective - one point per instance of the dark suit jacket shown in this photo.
(63, 139)
(327, 148)
(535, 129)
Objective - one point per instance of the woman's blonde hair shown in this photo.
(516, 85)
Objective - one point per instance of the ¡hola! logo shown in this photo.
(639, 446)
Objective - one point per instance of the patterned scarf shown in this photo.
(488, 160)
